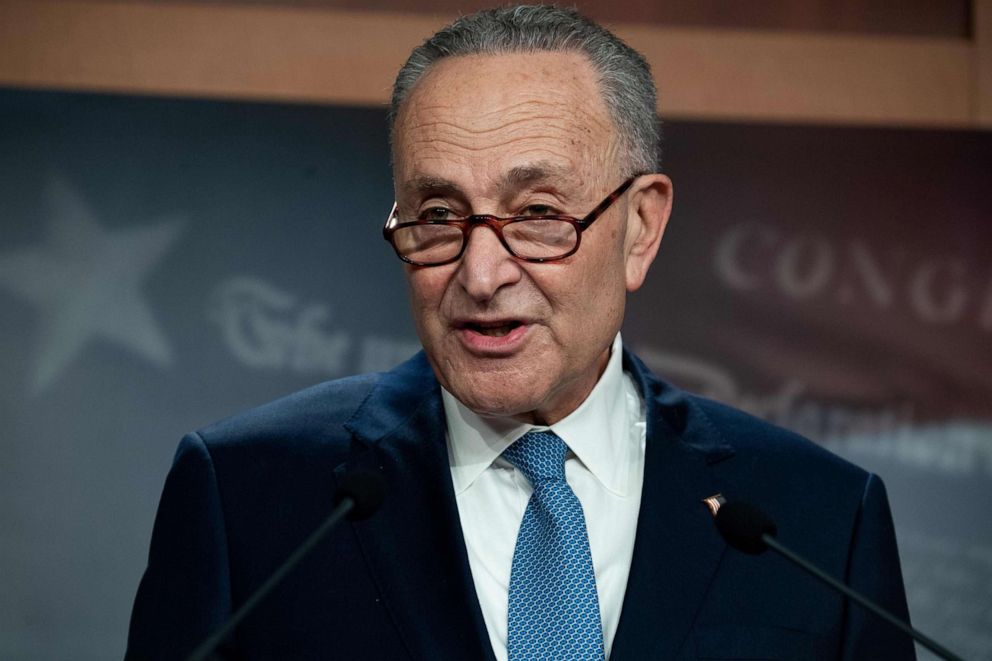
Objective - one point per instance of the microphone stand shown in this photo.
(918, 636)
(206, 649)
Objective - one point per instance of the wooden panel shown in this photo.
(786, 76)
(934, 18)
(983, 62)
(186, 49)
(337, 56)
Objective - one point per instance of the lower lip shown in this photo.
(493, 345)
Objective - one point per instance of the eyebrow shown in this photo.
(431, 185)
(516, 177)
(535, 173)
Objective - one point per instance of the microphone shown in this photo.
(748, 529)
(365, 490)
(358, 497)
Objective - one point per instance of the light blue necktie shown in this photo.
(554, 610)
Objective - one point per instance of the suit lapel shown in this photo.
(677, 549)
(416, 552)
(414, 544)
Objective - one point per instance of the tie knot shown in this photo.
(539, 455)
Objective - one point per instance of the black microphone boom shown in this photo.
(743, 526)
(365, 490)
(748, 529)
(358, 497)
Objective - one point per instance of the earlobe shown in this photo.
(648, 211)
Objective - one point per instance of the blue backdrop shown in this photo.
(164, 263)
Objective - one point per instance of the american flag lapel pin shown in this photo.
(714, 502)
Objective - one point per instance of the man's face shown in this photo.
(509, 135)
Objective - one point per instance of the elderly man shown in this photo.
(545, 491)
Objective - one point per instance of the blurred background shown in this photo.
(190, 202)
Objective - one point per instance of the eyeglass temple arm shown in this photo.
(588, 219)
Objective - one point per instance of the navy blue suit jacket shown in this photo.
(243, 493)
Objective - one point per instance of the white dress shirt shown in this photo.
(605, 469)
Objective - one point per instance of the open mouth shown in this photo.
(493, 329)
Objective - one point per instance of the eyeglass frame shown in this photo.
(496, 224)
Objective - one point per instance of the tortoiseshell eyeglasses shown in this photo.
(433, 242)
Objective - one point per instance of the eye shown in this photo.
(436, 213)
(538, 210)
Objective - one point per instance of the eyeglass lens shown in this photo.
(533, 238)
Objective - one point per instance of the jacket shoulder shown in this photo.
(767, 455)
(750, 436)
(317, 412)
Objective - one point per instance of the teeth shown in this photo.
(495, 331)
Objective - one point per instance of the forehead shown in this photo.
(484, 115)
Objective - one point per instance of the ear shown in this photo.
(648, 209)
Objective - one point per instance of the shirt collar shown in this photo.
(596, 432)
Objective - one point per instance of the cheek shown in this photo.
(427, 287)
(600, 289)
(577, 294)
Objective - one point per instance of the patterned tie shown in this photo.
(554, 610)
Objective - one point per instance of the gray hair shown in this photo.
(624, 75)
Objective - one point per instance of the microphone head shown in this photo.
(365, 489)
(742, 526)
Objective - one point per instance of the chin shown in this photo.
(500, 404)
(511, 398)
(495, 387)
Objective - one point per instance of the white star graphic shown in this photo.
(86, 283)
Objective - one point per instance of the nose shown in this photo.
(486, 266)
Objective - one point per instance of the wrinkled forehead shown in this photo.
(504, 110)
